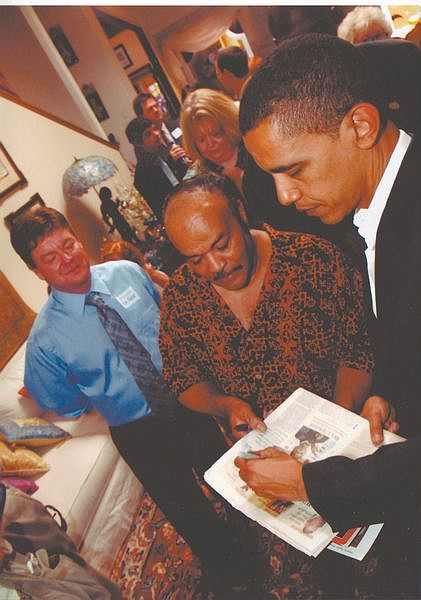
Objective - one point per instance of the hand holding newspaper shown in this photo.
(310, 428)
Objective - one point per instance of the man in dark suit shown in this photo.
(159, 167)
(311, 116)
(396, 70)
(318, 126)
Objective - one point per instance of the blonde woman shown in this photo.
(209, 121)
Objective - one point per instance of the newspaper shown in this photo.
(355, 543)
(310, 428)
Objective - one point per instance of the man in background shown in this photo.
(158, 168)
(232, 69)
(145, 105)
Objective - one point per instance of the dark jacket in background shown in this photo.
(152, 181)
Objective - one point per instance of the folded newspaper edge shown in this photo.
(310, 428)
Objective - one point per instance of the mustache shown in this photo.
(222, 274)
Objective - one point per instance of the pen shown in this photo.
(241, 427)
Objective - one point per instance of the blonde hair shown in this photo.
(211, 104)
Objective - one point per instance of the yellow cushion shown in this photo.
(20, 461)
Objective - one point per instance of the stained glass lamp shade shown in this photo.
(86, 173)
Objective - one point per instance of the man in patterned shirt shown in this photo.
(254, 314)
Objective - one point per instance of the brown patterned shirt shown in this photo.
(308, 322)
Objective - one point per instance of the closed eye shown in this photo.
(222, 246)
(48, 258)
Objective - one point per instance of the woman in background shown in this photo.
(209, 121)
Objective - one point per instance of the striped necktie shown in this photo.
(136, 357)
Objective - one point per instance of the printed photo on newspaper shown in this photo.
(309, 428)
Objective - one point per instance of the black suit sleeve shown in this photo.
(152, 183)
(373, 489)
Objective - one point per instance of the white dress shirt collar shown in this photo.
(367, 219)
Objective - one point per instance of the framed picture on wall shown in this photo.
(63, 45)
(10, 176)
(33, 203)
(123, 57)
(95, 102)
(142, 79)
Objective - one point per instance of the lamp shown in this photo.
(86, 173)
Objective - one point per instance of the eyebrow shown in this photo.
(282, 169)
(218, 239)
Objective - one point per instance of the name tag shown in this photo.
(128, 297)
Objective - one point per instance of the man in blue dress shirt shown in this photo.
(72, 366)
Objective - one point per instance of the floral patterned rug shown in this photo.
(155, 563)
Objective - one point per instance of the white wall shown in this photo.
(43, 149)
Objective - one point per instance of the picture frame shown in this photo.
(142, 79)
(11, 178)
(95, 102)
(63, 45)
(123, 56)
(33, 203)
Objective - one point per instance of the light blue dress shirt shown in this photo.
(71, 363)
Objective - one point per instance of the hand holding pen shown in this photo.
(242, 418)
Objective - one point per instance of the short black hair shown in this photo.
(136, 128)
(234, 59)
(31, 227)
(138, 102)
(208, 182)
(307, 85)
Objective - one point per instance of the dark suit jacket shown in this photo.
(398, 295)
(369, 490)
(372, 489)
(151, 181)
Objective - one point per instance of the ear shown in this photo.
(364, 120)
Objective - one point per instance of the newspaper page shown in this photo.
(309, 428)
(359, 541)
